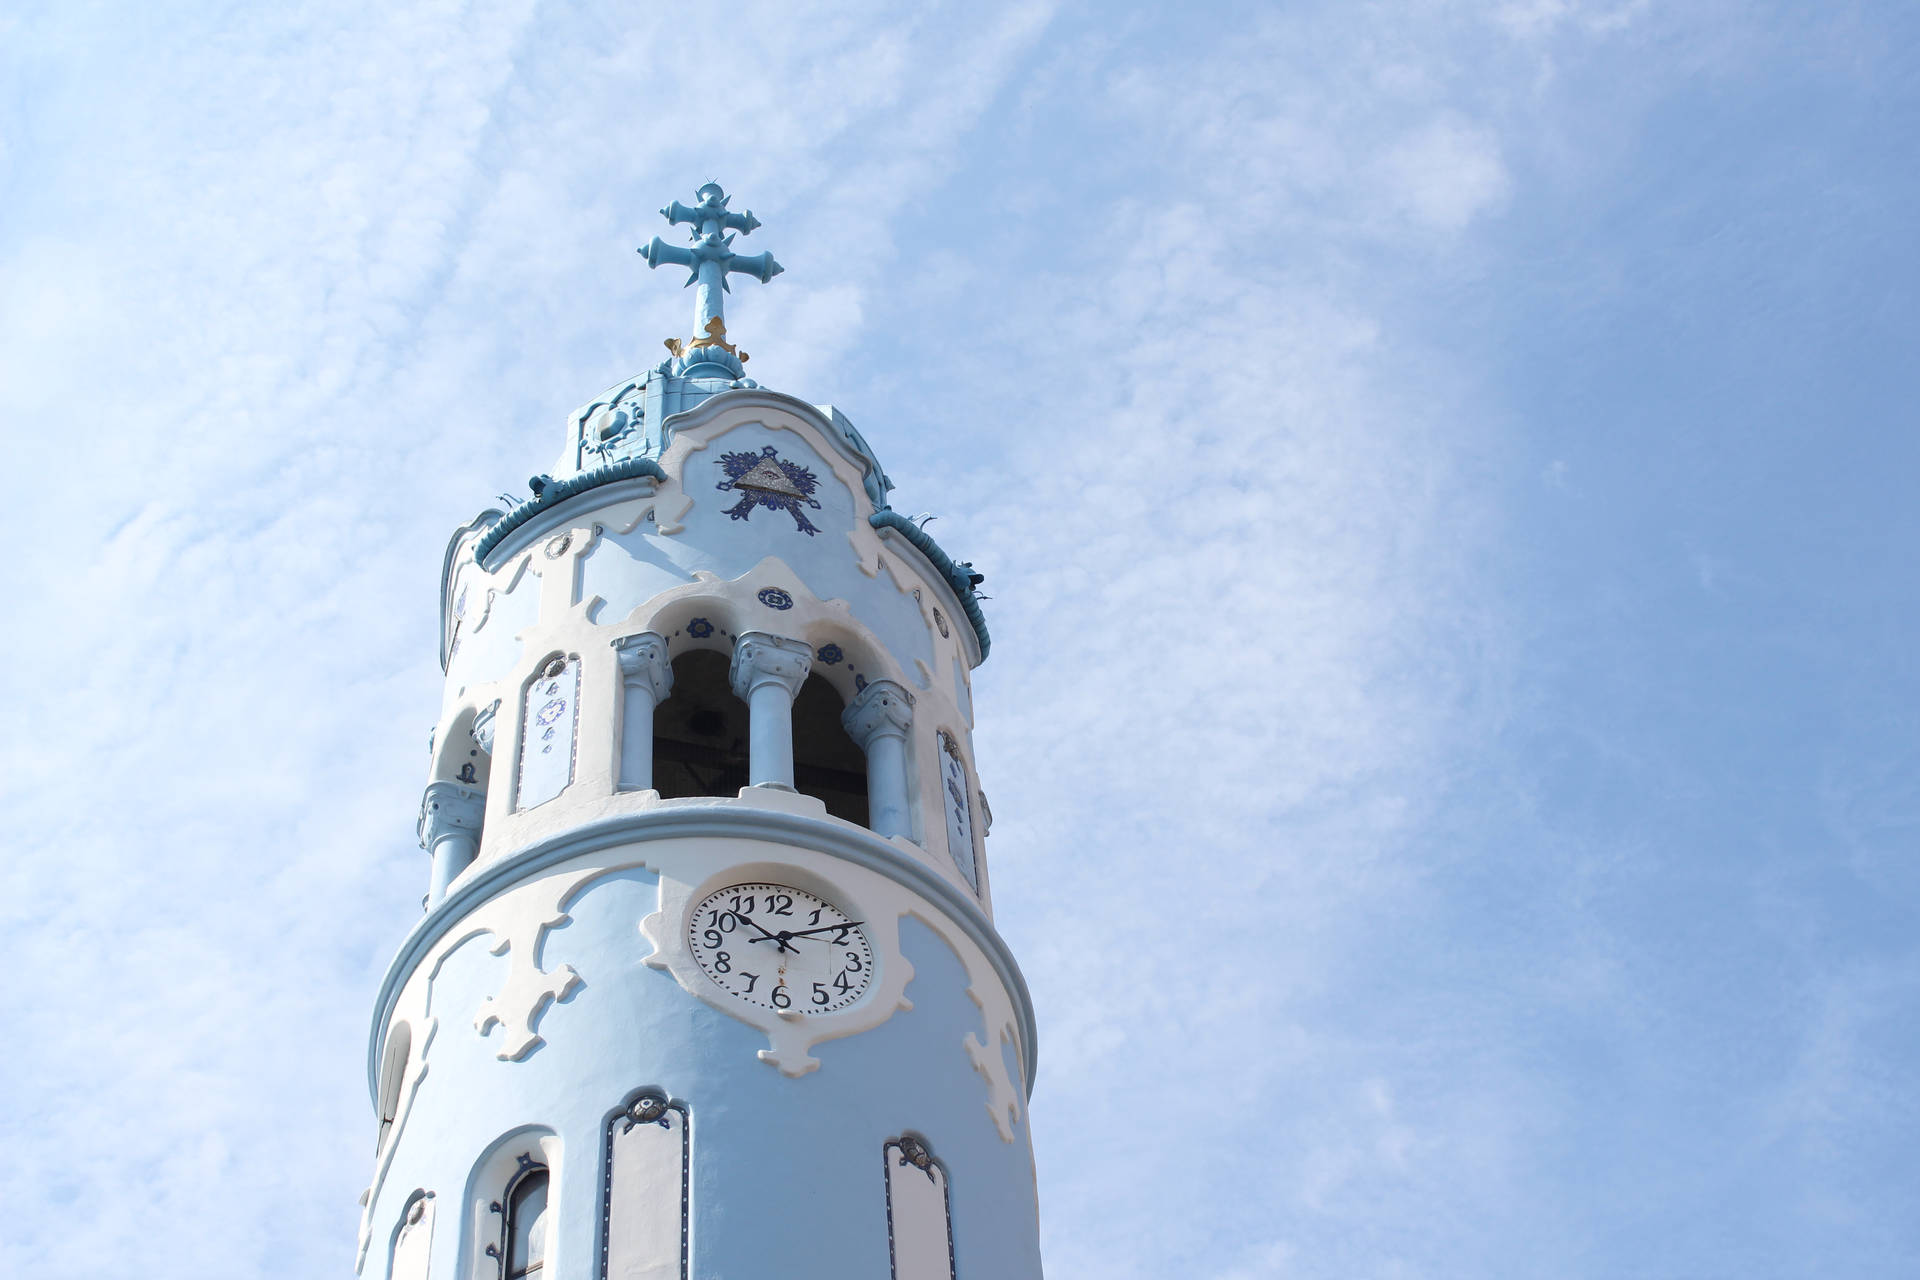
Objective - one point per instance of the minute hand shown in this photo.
(825, 928)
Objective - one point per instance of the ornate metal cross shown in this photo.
(711, 259)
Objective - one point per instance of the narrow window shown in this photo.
(700, 731)
(522, 1249)
(548, 719)
(393, 1072)
(827, 764)
(643, 1226)
(413, 1239)
(959, 805)
(919, 1214)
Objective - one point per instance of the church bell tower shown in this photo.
(708, 986)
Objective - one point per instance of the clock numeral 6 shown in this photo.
(780, 998)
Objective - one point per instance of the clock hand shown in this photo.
(764, 935)
(825, 928)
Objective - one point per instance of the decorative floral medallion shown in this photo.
(699, 628)
(765, 479)
(830, 654)
(775, 598)
(606, 429)
(648, 1108)
(557, 547)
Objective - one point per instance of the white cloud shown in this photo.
(1446, 174)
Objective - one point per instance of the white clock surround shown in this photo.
(781, 947)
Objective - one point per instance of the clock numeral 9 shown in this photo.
(714, 937)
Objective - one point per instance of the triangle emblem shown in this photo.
(767, 477)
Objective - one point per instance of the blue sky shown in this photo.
(1444, 475)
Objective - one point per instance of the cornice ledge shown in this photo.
(723, 816)
(958, 579)
(558, 492)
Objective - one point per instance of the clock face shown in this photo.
(781, 948)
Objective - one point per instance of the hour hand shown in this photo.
(764, 935)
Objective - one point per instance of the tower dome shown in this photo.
(708, 983)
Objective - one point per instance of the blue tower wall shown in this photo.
(550, 980)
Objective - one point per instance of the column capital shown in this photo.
(882, 709)
(483, 725)
(644, 663)
(448, 808)
(762, 658)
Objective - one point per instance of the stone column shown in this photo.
(878, 720)
(450, 817)
(768, 671)
(648, 678)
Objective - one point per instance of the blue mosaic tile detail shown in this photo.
(859, 684)
(830, 654)
(699, 628)
(775, 598)
(765, 479)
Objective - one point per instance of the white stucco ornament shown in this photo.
(526, 993)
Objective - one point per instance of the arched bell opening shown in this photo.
(700, 731)
(827, 764)
(464, 759)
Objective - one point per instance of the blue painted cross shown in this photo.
(710, 258)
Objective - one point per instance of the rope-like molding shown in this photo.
(961, 580)
(559, 491)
